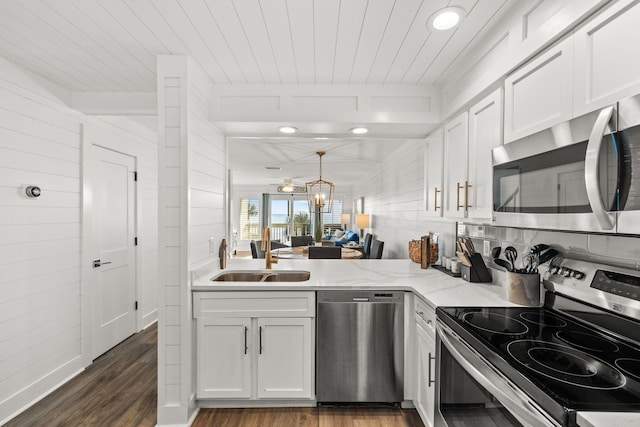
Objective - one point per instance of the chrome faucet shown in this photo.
(266, 248)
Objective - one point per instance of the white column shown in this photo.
(175, 389)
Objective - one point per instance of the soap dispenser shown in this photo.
(222, 253)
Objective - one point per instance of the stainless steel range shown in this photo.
(579, 353)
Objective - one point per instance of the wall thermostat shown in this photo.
(33, 191)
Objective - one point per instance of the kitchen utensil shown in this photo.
(503, 263)
(495, 252)
(548, 255)
(464, 258)
(511, 254)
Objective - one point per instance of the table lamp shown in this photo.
(363, 221)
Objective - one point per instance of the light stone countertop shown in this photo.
(433, 286)
(608, 419)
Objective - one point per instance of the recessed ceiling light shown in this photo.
(287, 129)
(358, 131)
(446, 18)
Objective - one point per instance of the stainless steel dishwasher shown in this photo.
(360, 347)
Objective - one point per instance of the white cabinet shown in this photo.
(255, 345)
(485, 133)
(606, 68)
(224, 361)
(456, 138)
(425, 362)
(433, 157)
(468, 141)
(540, 94)
(284, 358)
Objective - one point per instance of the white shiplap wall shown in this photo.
(40, 239)
(394, 196)
(207, 166)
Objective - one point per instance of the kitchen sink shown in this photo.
(262, 276)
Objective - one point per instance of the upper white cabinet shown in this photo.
(468, 141)
(540, 94)
(606, 67)
(485, 133)
(433, 157)
(456, 139)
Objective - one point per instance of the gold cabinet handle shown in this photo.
(458, 188)
(466, 194)
(435, 205)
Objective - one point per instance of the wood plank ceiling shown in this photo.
(111, 45)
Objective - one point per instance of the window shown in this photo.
(331, 221)
(249, 219)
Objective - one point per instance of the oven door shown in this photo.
(471, 391)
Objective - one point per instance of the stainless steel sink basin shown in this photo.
(287, 276)
(262, 276)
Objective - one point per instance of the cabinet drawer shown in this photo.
(425, 316)
(254, 304)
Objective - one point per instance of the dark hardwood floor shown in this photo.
(308, 417)
(119, 389)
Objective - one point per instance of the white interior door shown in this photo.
(113, 194)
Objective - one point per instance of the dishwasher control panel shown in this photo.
(360, 296)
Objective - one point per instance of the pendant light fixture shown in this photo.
(320, 192)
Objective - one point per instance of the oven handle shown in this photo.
(514, 399)
(591, 162)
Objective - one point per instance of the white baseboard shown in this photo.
(148, 319)
(36, 391)
(221, 403)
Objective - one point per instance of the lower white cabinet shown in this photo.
(224, 360)
(245, 357)
(425, 363)
(284, 358)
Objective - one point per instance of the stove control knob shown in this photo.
(579, 275)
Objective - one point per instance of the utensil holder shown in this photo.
(477, 272)
(523, 289)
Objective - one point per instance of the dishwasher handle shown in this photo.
(360, 299)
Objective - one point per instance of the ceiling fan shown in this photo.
(288, 187)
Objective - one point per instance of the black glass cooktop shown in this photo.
(544, 351)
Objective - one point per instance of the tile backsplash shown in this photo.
(623, 251)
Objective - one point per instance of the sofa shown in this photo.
(342, 238)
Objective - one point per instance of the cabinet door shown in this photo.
(285, 364)
(433, 157)
(456, 136)
(540, 94)
(606, 68)
(485, 133)
(223, 358)
(425, 375)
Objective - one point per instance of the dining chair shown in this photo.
(301, 241)
(325, 252)
(256, 252)
(366, 246)
(376, 249)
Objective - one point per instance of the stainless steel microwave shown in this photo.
(583, 174)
